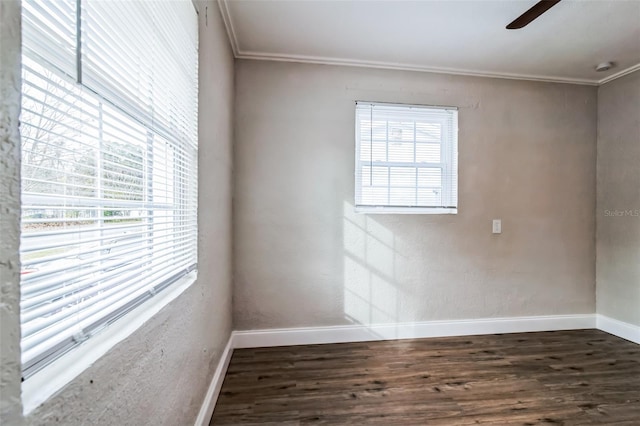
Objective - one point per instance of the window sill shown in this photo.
(405, 210)
(39, 387)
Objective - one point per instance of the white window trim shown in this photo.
(445, 165)
(44, 383)
(404, 210)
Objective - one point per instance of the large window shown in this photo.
(406, 158)
(109, 164)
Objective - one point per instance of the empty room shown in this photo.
(332, 212)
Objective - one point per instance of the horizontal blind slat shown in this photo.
(55, 295)
(48, 30)
(34, 282)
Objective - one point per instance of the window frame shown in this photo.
(447, 165)
(51, 372)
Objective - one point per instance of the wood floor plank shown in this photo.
(581, 377)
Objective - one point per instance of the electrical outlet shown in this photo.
(497, 226)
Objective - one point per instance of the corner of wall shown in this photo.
(595, 229)
(618, 201)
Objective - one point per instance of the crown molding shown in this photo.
(619, 74)
(228, 24)
(238, 53)
(408, 67)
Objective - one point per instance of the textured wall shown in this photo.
(10, 406)
(303, 258)
(618, 211)
(160, 374)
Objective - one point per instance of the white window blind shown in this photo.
(49, 32)
(145, 66)
(406, 158)
(109, 164)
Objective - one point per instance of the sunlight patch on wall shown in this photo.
(371, 295)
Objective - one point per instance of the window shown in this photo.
(406, 158)
(109, 164)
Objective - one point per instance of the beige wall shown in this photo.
(10, 405)
(618, 209)
(303, 258)
(160, 374)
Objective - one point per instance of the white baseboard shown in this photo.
(210, 399)
(365, 333)
(618, 328)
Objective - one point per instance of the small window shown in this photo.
(406, 159)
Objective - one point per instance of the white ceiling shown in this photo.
(452, 36)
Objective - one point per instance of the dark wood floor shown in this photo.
(582, 377)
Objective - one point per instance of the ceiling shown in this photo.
(451, 36)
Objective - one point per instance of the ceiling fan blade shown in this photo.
(531, 14)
